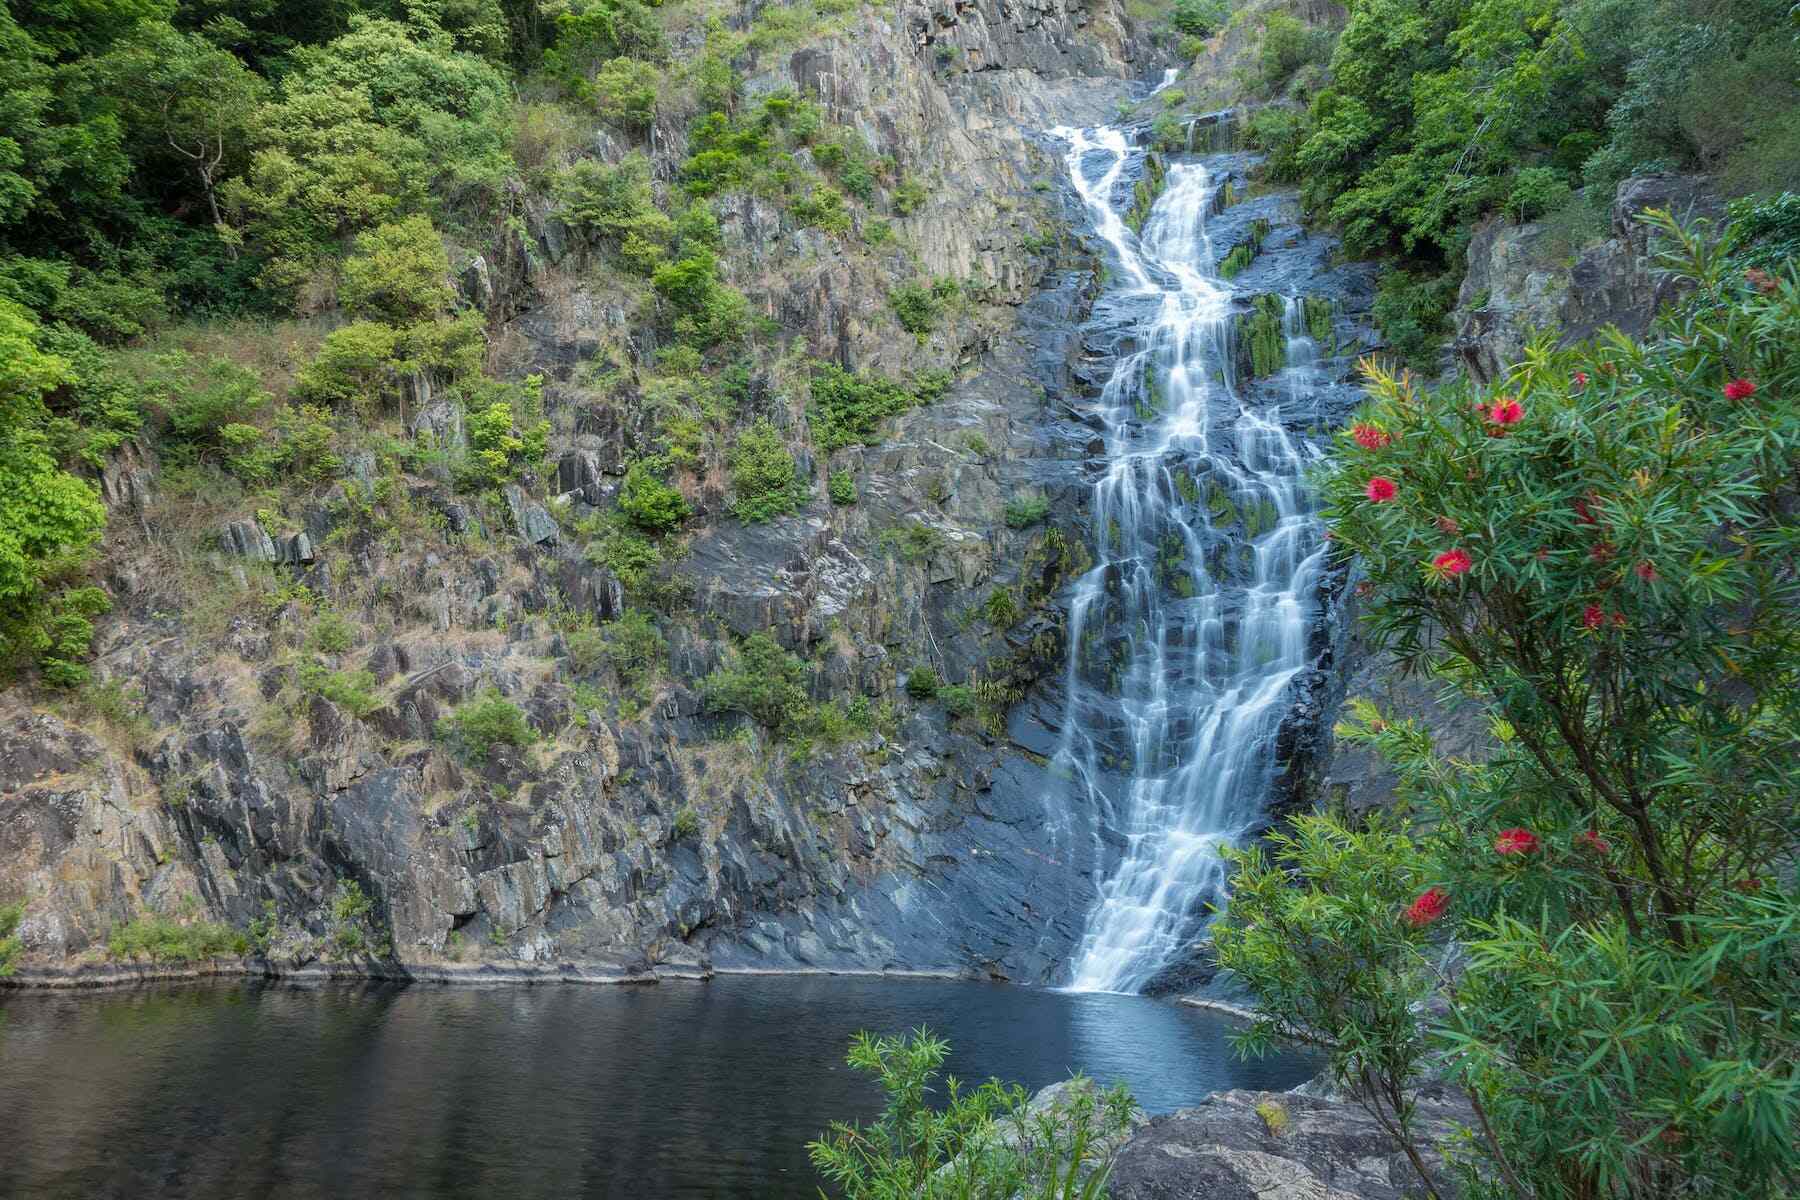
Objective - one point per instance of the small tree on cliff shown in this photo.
(1602, 552)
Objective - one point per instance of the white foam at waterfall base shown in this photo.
(1174, 748)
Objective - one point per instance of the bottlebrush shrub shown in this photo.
(1627, 1018)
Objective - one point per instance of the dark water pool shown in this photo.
(679, 1090)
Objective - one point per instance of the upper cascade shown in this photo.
(1186, 635)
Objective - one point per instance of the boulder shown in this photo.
(246, 539)
(1241, 1145)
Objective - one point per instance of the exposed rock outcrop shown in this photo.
(1241, 1145)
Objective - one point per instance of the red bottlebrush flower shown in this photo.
(1749, 886)
(1448, 525)
(1593, 616)
(1646, 571)
(1740, 389)
(1762, 281)
(1515, 841)
(1506, 411)
(1427, 908)
(1580, 380)
(1369, 437)
(1364, 590)
(1590, 839)
(1618, 620)
(1381, 489)
(1542, 554)
(1602, 552)
(1453, 562)
(1584, 512)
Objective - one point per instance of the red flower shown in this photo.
(1740, 389)
(1580, 380)
(1364, 590)
(1453, 562)
(1590, 839)
(1506, 411)
(1381, 489)
(1369, 437)
(1618, 620)
(1448, 525)
(1515, 841)
(1593, 616)
(1427, 908)
(1602, 552)
(1762, 281)
(1584, 514)
(1646, 571)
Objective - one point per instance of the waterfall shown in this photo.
(1185, 635)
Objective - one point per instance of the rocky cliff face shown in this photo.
(656, 836)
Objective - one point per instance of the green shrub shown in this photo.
(614, 203)
(624, 92)
(1289, 44)
(1200, 18)
(848, 408)
(635, 647)
(763, 681)
(912, 542)
(764, 478)
(915, 307)
(399, 274)
(922, 683)
(823, 208)
(331, 633)
(1001, 609)
(1616, 871)
(1412, 311)
(350, 690)
(160, 939)
(909, 197)
(350, 913)
(648, 502)
(686, 824)
(841, 487)
(958, 699)
(1022, 512)
(10, 944)
(479, 725)
(984, 1141)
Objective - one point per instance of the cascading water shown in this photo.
(1185, 636)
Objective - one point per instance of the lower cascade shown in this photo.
(1186, 635)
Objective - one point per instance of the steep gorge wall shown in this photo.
(671, 838)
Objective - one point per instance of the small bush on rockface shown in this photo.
(922, 683)
(685, 825)
(160, 939)
(1022, 512)
(353, 691)
(763, 681)
(634, 646)
(765, 482)
(1599, 551)
(848, 408)
(351, 909)
(841, 487)
(984, 1141)
(648, 502)
(331, 633)
(1200, 18)
(490, 720)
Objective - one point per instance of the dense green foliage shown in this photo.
(765, 682)
(968, 1143)
(1435, 113)
(483, 723)
(1599, 551)
(160, 939)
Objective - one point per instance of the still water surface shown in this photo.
(651, 1093)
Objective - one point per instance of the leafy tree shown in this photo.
(383, 122)
(49, 519)
(647, 501)
(399, 273)
(188, 100)
(1600, 551)
(763, 681)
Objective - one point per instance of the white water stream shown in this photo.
(1185, 635)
